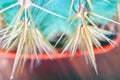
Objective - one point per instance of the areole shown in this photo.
(27, 3)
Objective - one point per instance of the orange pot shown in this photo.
(63, 68)
(106, 48)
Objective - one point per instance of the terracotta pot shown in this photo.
(106, 48)
(65, 68)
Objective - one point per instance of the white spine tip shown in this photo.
(11, 78)
(85, 13)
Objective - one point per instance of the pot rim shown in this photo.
(107, 48)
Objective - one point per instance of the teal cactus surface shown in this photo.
(50, 24)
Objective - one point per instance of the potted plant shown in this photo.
(30, 25)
